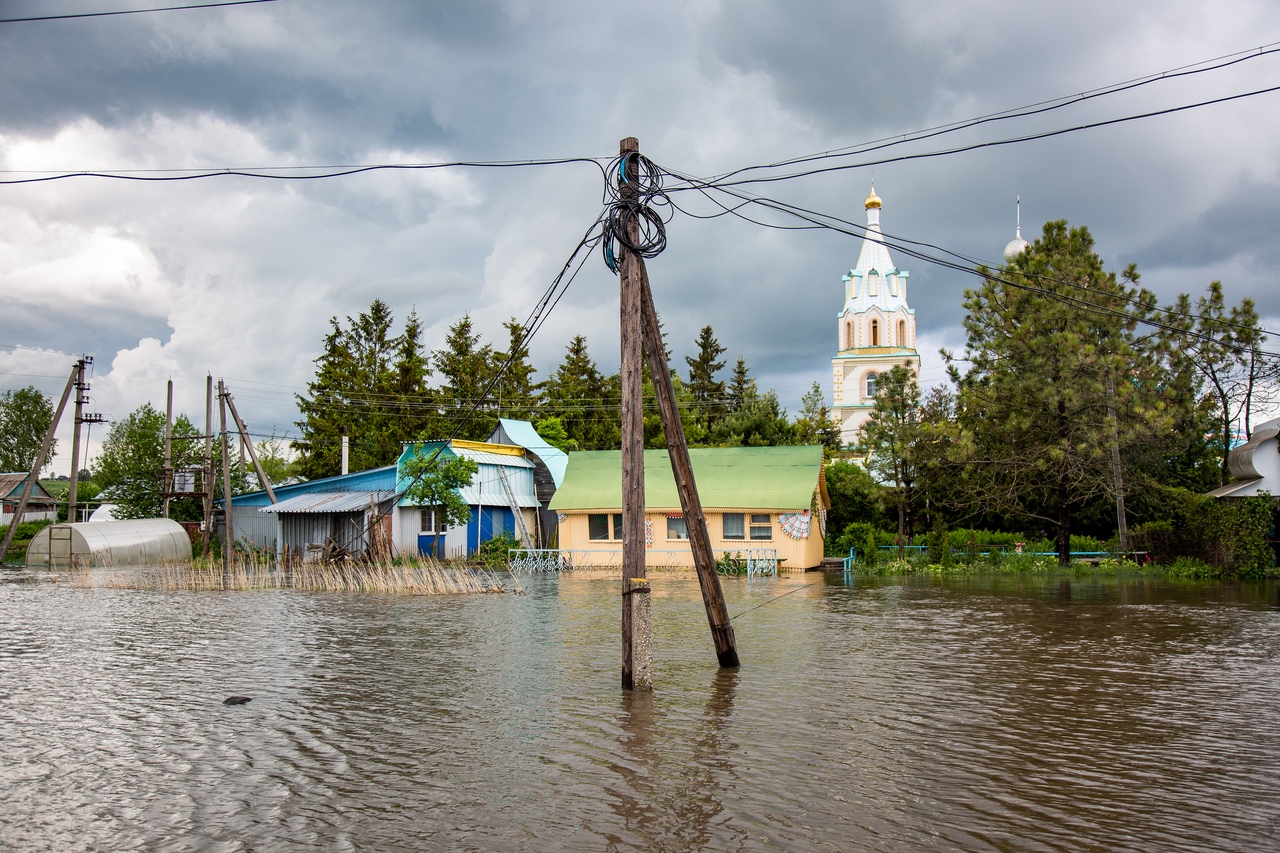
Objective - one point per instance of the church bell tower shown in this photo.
(876, 329)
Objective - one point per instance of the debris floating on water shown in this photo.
(237, 700)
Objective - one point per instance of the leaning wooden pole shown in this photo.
(682, 469)
(39, 462)
(253, 454)
(206, 534)
(633, 556)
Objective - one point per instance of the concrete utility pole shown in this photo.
(228, 534)
(641, 334)
(168, 449)
(207, 533)
(39, 463)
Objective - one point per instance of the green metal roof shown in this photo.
(727, 478)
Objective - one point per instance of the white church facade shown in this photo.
(876, 329)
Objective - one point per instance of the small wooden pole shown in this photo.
(168, 449)
(682, 469)
(633, 556)
(207, 534)
(38, 464)
(253, 454)
(73, 491)
(228, 534)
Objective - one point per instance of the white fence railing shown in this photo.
(535, 561)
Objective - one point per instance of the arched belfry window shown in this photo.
(902, 333)
(848, 335)
(871, 384)
(875, 333)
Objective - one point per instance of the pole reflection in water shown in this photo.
(672, 771)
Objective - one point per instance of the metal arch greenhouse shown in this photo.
(133, 542)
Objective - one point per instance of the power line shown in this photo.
(132, 11)
(1203, 66)
(996, 143)
(287, 173)
(844, 227)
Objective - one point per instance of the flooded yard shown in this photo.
(948, 714)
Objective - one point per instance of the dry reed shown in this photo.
(407, 577)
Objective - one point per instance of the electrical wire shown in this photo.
(906, 247)
(1203, 66)
(995, 143)
(286, 173)
(133, 11)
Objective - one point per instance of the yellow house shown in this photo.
(770, 498)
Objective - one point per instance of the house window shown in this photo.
(761, 526)
(427, 519)
(871, 384)
(676, 528)
(598, 527)
(734, 525)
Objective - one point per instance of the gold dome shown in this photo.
(873, 200)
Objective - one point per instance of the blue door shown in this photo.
(487, 522)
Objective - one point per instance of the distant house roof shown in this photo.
(374, 479)
(727, 478)
(353, 501)
(502, 467)
(522, 434)
(11, 485)
(1255, 465)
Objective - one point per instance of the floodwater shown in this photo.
(970, 714)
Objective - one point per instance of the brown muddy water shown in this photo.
(897, 715)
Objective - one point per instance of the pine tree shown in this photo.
(1052, 389)
(742, 388)
(586, 401)
(370, 382)
(515, 393)
(466, 366)
(815, 425)
(707, 391)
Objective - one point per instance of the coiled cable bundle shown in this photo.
(635, 201)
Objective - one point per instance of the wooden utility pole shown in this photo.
(682, 469)
(168, 449)
(228, 540)
(633, 557)
(39, 463)
(253, 454)
(207, 533)
(641, 333)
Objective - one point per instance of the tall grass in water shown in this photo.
(414, 577)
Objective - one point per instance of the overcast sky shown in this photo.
(238, 277)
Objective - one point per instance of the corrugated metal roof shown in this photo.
(727, 478)
(368, 480)
(330, 502)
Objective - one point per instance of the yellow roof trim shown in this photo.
(487, 447)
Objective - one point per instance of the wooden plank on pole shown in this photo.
(633, 556)
(39, 463)
(682, 469)
(253, 454)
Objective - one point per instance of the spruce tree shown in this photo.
(466, 366)
(707, 391)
